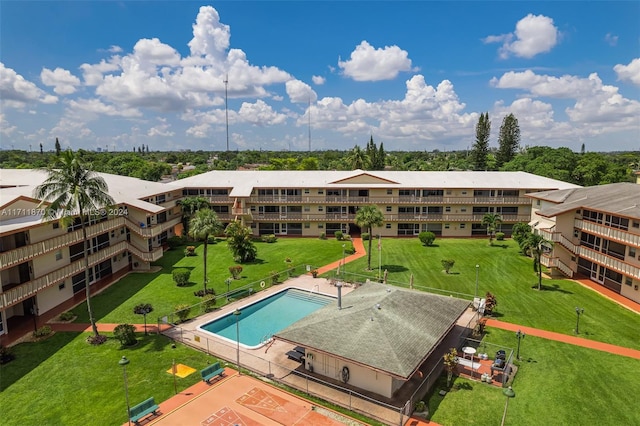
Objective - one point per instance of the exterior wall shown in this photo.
(359, 376)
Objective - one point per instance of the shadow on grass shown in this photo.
(554, 287)
(30, 355)
(393, 268)
(503, 246)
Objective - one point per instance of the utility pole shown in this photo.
(226, 106)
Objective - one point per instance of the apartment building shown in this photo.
(596, 233)
(42, 263)
(308, 203)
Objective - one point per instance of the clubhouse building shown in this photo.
(42, 263)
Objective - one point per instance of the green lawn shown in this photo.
(65, 381)
(115, 304)
(557, 384)
(75, 383)
(510, 277)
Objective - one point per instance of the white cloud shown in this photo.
(94, 106)
(534, 34)
(318, 80)
(63, 82)
(369, 64)
(300, 92)
(611, 39)
(210, 36)
(93, 74)
(16, 92)
(260, 114)
(6, 128)
(162, 129)
(199, 131)
(629, 72)
(115, 49)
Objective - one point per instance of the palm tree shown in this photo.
(201, 226)
(239, 241)
(520, 232)
(535, 245)
(357, 158)
(72, 189)
(190, 205)
(366, 218)
(491, 221)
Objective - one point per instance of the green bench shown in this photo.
(143, 409)
(240, 292)
(211, 371)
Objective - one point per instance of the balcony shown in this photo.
(28, 252)
(21, 292)
(612, 234)
(153, 230)
(609, 262)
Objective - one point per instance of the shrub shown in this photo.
(235, 270)
(490, 303)
(43, 331)
(427, 238)
(190, 251)
(181, 276)
(6, 355)
(447, 264)
(126, 334)
(349, 248)
(67, 316)
(365, 236)
(202, 292)
(183, 311)
(208, 302)
(96, 340)
(323, 236)
(339, 235)
(314, 273)
(500, 236)
(275, 276)
(175, 242)
(421, 406)
(270, 238)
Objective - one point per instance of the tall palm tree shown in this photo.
(357, 158)
(201, 226)
(535, 245)
(72, 189)
(366, 218)
(491, 221)
(190, 205)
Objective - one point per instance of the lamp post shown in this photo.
(237, 315)
(520, 335)
(509, 393)
(173, 370)
(228, 281)
(579, 311)
(123, 362)
(343, 252)
(477, 273)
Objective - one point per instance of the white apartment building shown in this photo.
(42, 263)
(596, 233)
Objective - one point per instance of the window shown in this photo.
(56, 225)
(306, 190)
(576, 233)
(446, 226)
(463, 225)
(320, 208)
(464, 192)
(636, 224)
(389, 209)
(537, 202)
(61, 285)
(307, 208)
(389, 191)
(447, 209)
(320, 226)
(632, 251)
(628, 281)
(59, 255)
(449, 192)
(388, 226)
(320, 191)
(463, 209)
(307, 225)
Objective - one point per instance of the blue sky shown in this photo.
(415, 75)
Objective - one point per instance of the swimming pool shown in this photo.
(260, 320)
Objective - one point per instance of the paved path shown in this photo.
(360, 252)
(565, 338)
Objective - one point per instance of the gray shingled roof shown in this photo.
(622, 199)
(395, 338)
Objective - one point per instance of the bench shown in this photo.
(143, 409)
(240, 292)
(211, 371)
(469, 364)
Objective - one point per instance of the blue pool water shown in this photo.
(268, 316)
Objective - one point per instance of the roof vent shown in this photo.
(378, 305)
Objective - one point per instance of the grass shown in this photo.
(75, 383)
(510, 277)
(557, 383)
(116, 303)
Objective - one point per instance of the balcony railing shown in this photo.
(608, 233)
(609, 262)
(554, 262)
(28, 252)
(28, 289)
(153, 230)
